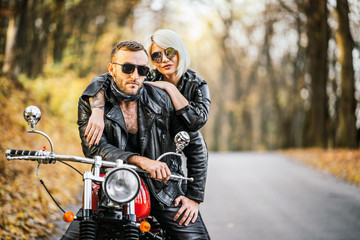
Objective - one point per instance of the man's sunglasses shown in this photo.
(129, 68)
(157, 57)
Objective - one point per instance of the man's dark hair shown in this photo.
(132, 46)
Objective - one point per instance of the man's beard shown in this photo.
(123, 96)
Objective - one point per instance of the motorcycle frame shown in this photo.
(32, 115)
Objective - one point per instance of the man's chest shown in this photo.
(130, 117)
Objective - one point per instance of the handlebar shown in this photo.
(45, 157)
(21, 152)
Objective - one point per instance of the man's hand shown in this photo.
(95, 126)
(158, 170)
(189, 207)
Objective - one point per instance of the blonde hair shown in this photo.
(166, 38)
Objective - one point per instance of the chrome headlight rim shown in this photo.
(114, 171)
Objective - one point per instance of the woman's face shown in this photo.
(166, 66)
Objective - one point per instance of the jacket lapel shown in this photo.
(146, 115)
(116, 115)
(147, 110)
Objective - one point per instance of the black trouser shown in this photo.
(165, 217)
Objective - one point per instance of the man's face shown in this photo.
(131, 83)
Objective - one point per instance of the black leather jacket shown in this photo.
(196, 91)
(157, 126)
(191, 86)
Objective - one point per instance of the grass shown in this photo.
(342, 163)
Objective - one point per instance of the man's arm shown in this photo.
(197, 160)
(196, 154)
(158, 170)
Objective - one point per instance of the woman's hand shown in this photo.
(161, 84)
(178, 100)
(95, 126)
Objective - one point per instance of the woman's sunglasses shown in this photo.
(129, 68)
(157, 57)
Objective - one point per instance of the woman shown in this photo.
(189, 93)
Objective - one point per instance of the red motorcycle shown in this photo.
(115, 205)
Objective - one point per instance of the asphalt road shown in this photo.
(267, 196)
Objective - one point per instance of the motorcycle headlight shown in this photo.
(121, 185)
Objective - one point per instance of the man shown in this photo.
(140, 123)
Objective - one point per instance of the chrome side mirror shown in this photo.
(182, 139)
(32, 115)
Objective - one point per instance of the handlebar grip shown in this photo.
(14, 152)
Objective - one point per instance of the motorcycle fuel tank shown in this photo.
(142, 202)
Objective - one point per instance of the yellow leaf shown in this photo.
(20, 215)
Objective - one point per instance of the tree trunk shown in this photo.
(347, 133)
(59, 36)
(15, 18)
(318, 36)
(4, 22)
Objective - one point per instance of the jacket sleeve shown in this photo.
(196, 158)
(196, 114)
(104, 149)
(197, 163)
(96, 85)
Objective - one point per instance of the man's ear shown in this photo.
(111, 69)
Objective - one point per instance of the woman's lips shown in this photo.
(167, 67)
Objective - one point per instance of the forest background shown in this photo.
(282, 74)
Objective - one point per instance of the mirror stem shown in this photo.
(45, 135)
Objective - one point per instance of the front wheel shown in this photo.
(87, 230)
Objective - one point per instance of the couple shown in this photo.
(120, 117)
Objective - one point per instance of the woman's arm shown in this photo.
(196, 114)
(178, 100)
(192, 106)
(96, 124)
(105, 148)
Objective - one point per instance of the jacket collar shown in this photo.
(147, 110)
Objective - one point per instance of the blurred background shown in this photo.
(282, 74)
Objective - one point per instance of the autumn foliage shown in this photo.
(342, 163)
(26, 210)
